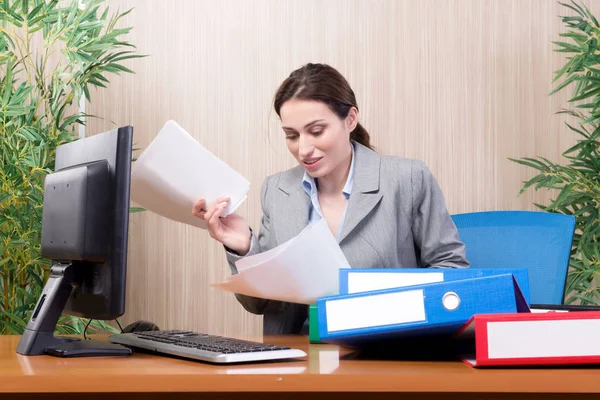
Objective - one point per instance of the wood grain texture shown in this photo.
(327, 368)
(461, 85)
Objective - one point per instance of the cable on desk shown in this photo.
(85, 329)
(118, 323)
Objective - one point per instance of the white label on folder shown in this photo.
(367, 281)
(554, 338)
(375, 310)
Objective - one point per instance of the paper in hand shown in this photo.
(299, 270)
(175, 171)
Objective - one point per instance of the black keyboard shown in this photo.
(204, 347)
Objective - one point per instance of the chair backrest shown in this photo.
(538, 241)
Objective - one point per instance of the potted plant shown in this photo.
(577, 182)
(51, 52)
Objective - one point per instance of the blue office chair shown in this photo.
(538, 241)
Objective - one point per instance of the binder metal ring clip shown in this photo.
(450, 301)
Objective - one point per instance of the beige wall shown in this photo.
(460, 84)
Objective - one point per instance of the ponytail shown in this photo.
(360, 135)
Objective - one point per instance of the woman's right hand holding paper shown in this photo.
(233, 230)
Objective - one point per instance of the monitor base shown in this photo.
(88, 348)
(38, 337)
(36, 342)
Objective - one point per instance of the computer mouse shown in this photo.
(141, 326)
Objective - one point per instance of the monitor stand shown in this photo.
(38, 337)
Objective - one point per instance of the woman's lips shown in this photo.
(312, 163)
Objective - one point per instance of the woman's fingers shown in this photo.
(223, 199)
(212, 214)
(198, 208)
(217, 214)
(213, 220)
(209, 213)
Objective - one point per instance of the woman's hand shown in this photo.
(232, 230)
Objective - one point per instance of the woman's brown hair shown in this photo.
(320, 82)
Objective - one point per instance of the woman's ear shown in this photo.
(352, 119)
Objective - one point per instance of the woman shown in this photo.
(384, 211)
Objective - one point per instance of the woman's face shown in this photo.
(316, 136)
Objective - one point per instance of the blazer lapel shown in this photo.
(292, 205)
(365, 189)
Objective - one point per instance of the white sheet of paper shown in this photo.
(299, 271)
(175, 171)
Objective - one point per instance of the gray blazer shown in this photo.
(396, 217)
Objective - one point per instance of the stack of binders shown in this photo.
(383, 304)
(482, 314)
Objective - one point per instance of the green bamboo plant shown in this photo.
(577, 183)
(51, 53)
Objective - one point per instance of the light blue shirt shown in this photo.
(310, 187)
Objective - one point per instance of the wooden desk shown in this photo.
(327, 369)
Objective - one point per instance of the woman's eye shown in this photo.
(291, 137)
(317, 133)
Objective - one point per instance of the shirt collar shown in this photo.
(308, 182)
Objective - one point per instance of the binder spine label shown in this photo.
(364, 282)
(539, 339)
(375, 310)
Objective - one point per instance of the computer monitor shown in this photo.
(84, 232)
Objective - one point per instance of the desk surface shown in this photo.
(327, 368)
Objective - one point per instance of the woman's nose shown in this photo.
(305, 146)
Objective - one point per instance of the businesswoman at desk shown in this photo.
(384, 211)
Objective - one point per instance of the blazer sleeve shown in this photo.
(435, 235)
(258, 244)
